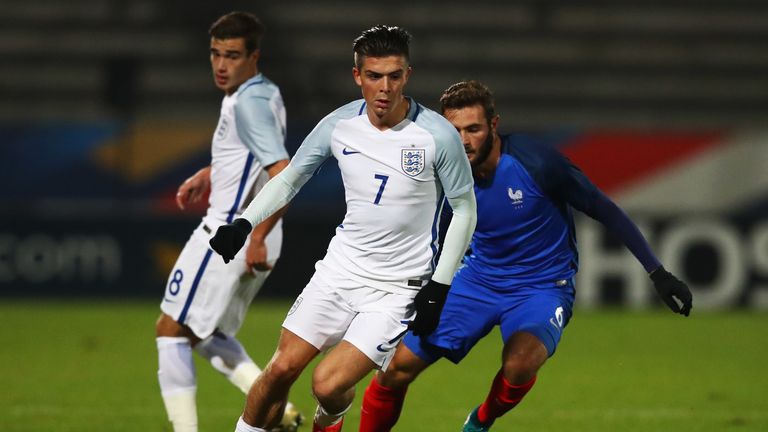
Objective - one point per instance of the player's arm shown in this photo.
(430, 299)
(194, 188)
(455, 174)
(457, 236)
(583, 195)
(256, 257)
(260, 119)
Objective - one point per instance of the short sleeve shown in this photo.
(261, 126)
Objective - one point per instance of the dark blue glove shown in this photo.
(429, 303)
(669, 287)
(230, 238)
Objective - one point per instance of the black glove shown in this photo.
(429, 303)
(230, 238)
(669, 287)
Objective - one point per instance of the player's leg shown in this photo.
(333, 384)
(384, 396)
(225, 352)
(522, 357)
(379, 323)
(531, 326)
(228, 356)
(317, 321)
(176, 373)
(199, 292)
(268, 395)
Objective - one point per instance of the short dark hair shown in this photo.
(467, 93)
(239, 25)
(381, 41)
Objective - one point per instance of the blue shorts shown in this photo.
(473, 309)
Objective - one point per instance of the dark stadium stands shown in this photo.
(680, 63)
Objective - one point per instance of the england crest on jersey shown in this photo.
(221, 131)
(412, 161)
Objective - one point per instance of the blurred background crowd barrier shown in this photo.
(107, 106)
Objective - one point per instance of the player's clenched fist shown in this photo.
(230, 238)
(429, 303)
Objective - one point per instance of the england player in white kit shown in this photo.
(205, 300)
(398, 160)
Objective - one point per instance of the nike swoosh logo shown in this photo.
(431, 302)
(348, 152)
(379, 348)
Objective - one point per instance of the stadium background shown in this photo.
(106, 106)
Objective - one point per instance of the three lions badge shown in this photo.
(412, 161)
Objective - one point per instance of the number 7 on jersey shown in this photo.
(383, 179)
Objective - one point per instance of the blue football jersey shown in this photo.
(525, 230)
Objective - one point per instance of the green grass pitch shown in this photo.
(91, 366)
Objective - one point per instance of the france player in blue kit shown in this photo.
(520, 269)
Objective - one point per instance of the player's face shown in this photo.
(232, 64)
(382, 80)
(476, 132)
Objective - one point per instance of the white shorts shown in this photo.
(205, 294)
(332, 308)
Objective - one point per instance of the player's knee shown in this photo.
(167, 327)
(521, 368)
(325, 385)
(397, 376)
(283, 371)
(327, 391)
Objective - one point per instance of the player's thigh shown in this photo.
(470, 313)
(403, 369)
(248, 285)
(293, 354)
(380, 323)
(543, 313)
(319, 315)
(343, 367)
(200, 287)
(182, 275)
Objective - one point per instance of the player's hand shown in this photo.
(256, 256)
(193, 188)
(230, 238)
(670, 288)
(429, 303)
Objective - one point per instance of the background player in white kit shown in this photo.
(205, 301)
(397, 159)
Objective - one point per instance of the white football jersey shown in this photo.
(395, 181)
(250, 136)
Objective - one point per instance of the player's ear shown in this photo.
(494, 123)
(356, 75)
(255, 55)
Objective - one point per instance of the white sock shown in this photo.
(242, 426)
(178, 383)
(228, 356)
(324, 419)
